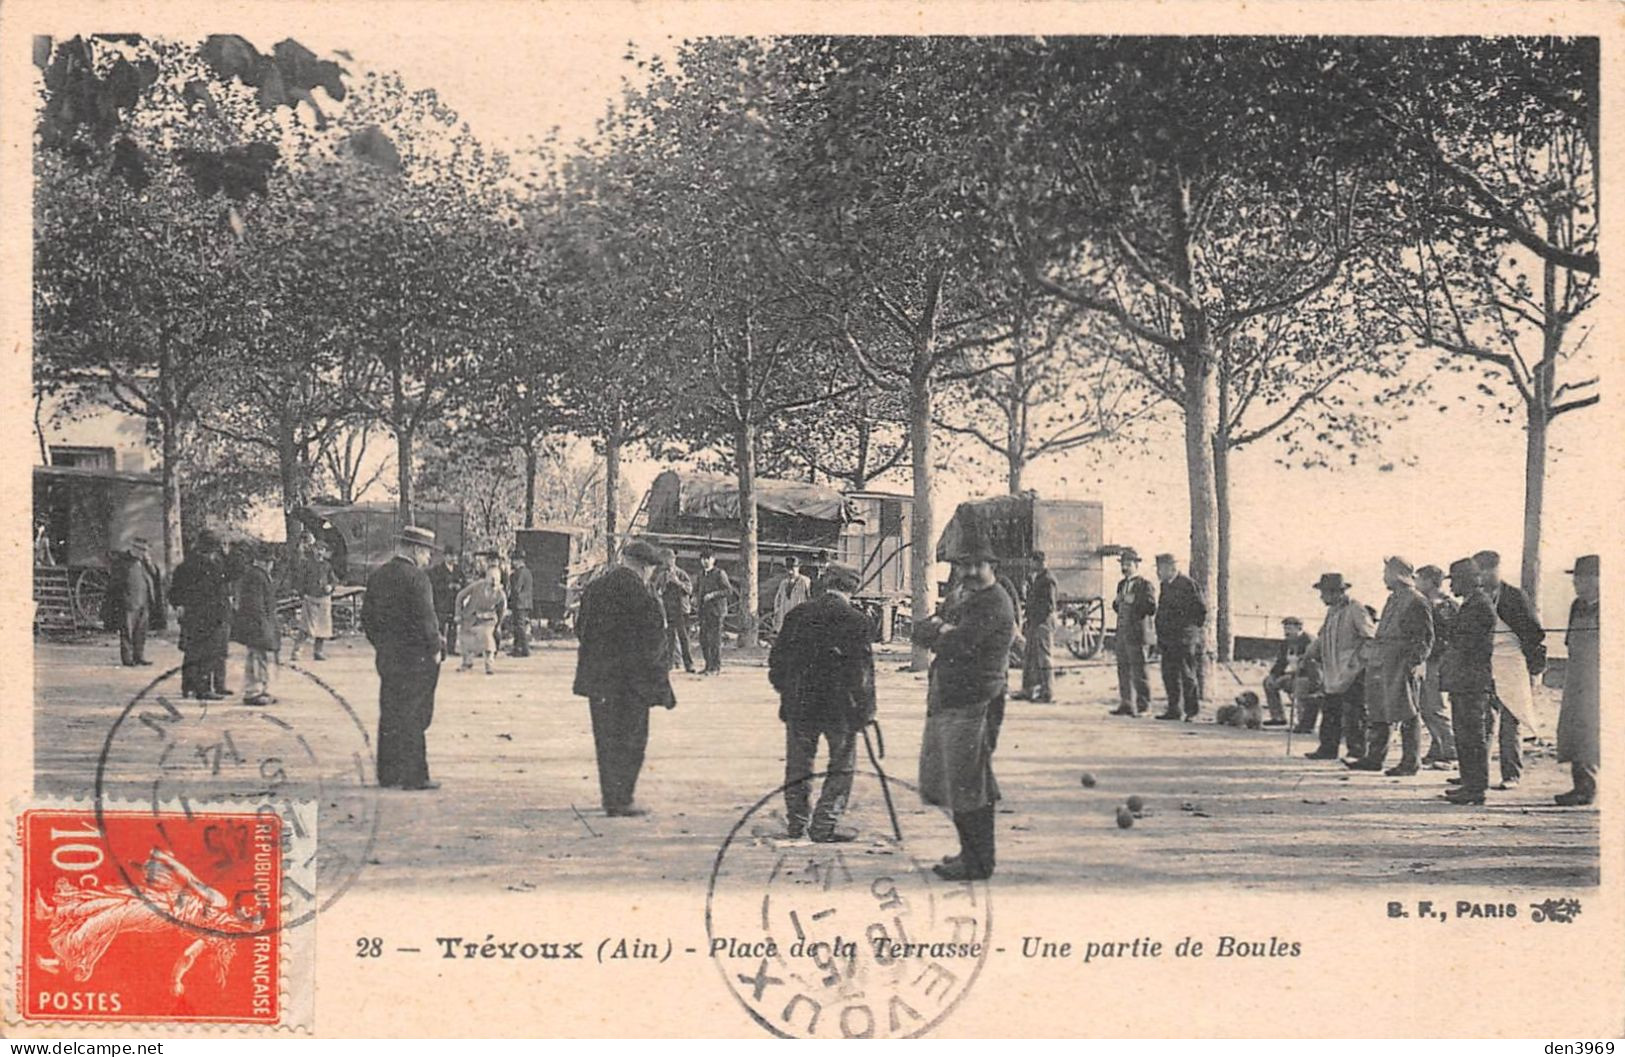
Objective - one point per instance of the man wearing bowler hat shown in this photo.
(1339, 652)
(399, 619)
(1578, 728)
(1394, 668)
(622, 670)
(1181, 612)
(823, 666)
(1134, 604)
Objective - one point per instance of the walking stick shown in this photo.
(885, 788)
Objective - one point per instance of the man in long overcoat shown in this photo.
(255, 626)
(1465, 675)
(1339, 653)
(971, 638)
(1181, 612)
(823, 666)
(134, 602)
(1134, 603)
(622, 671)
(398, 617)
(1394, 668)
(1520, 654)
(1578, 724)
(201, 591)
(521, 603)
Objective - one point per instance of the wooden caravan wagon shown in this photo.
(82, 517)
(1068, 531)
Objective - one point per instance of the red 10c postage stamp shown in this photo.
(143, 916)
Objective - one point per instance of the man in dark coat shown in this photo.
(971, 638)
(1181, 612)
(521, 601)
(255, 626)
(622, 671)
(133, 603)
(1520, 655)
(1395, 664)
(1038, 626)
(1441, 754)
(676, 594)
(712, 592)
(1134, 604)
(1464, 674)
(398, 617)
(822, 664)
(1579, 726)
(444, 582)
(201, 591)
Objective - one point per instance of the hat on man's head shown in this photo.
(416, 535)
(641, 551)
(1586, 565)
(1166, 559)
(841, 577)
(1430, 572)
(1330, 582)
(1487, 560)
(1401, 568)
(974, 546)
(1128, 554)
(1292, 621)
(1464, 568)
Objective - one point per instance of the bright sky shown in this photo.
(515, 78)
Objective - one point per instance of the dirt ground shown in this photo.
(514, 755)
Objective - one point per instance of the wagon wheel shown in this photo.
(1083, 627)
(89, 590)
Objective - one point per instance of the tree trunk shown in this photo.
(292, 472)
(530, 486)
(612, 488)
(169, 489)
(1221, 506)
(749, 529)
(922, 544)
(1017, 465)
(1201, 396)
(403, 472)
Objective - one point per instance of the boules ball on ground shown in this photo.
(1088, 780)
(1125, 818)
(1136, 804)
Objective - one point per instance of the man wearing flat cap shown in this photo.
(1339, 653)
(1135, 603)
(1394, 667)
(822, 664)
(1520, 654)
(623, 671)
(1578, 724)
(1038, 628)
(1181, 612)
(399, 619)
(971, 638)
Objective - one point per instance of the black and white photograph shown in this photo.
(858, 521)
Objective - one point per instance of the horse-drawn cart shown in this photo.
(1068, 531)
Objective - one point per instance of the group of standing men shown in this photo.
(1177, 618)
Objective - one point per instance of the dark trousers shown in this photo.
(976, 842)
(1308, 709)
(711, 638)
(405, 710)
(1378, 735)
(521, 634)
(620, 735)
(203, 669)
(1467, 722)
(677, 640)
(1511, 741)
(1133, 688)
(800, 750)
(1181, 664)
(1585, 779)
(1342, 718)
(132, 638)
(448, 634)
(1037, 672)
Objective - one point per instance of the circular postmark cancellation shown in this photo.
(301, 769)
(858, 939)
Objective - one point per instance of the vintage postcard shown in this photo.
(811, 520)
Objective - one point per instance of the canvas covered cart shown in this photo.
(82, 517)
(1068, 531)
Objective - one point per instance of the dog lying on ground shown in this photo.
(1245, 712)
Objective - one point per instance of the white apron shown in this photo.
(1513, 686)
